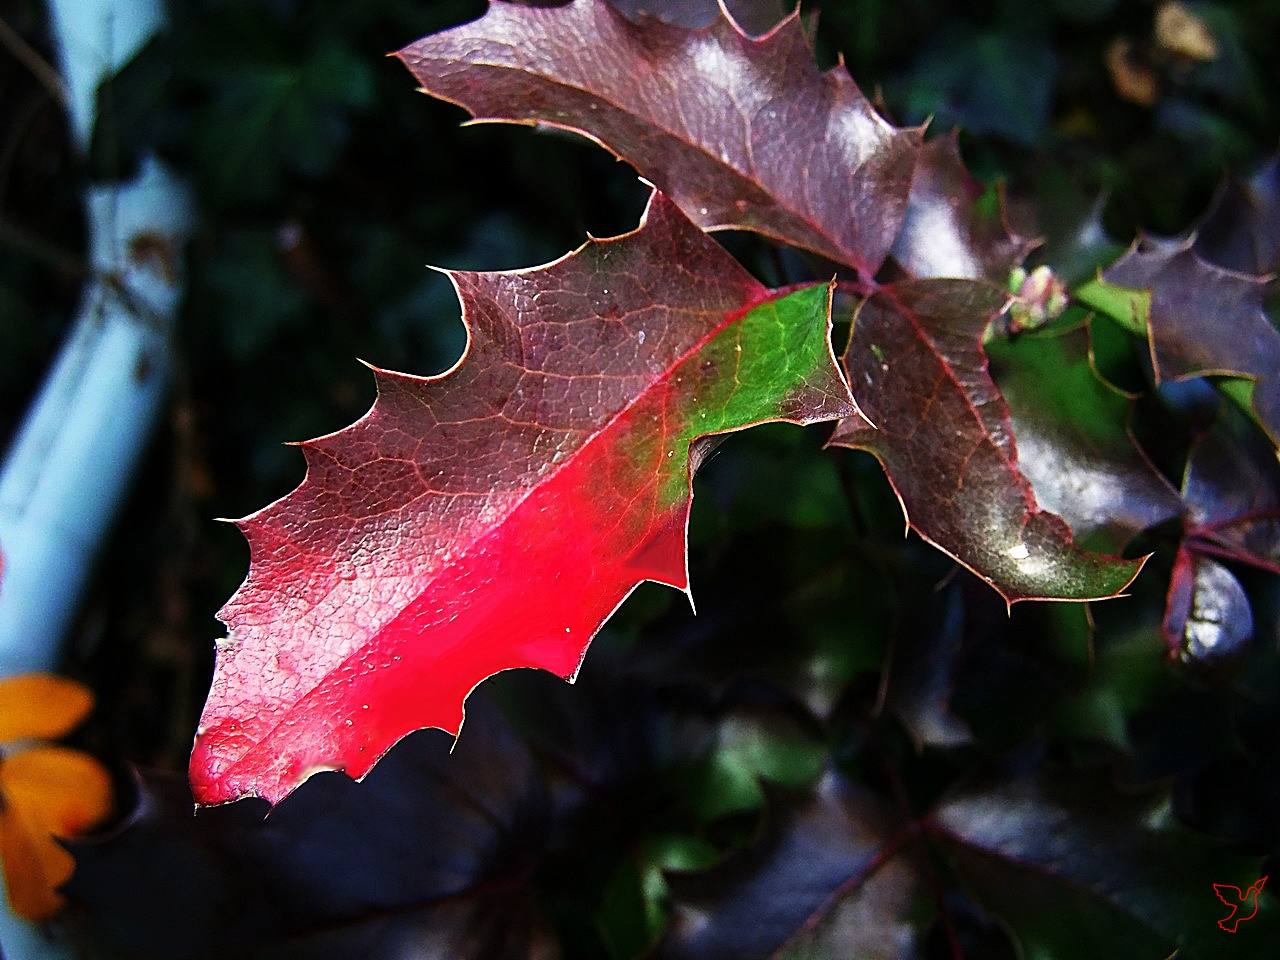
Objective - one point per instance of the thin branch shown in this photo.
(27, 55)
(1253, 516)
(1225, 551)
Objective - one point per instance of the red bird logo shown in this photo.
(1238, 902)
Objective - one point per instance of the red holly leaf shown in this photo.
(493, 517)
(944, 435)
(741, 132)
(747, 133)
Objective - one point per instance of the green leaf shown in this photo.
(1129, 307)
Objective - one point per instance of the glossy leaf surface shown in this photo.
(943, 433)
(741, 132)
(1072, 441)
(950, 229)
(493, 517)
(1208, 622)
(756, 902)
(1232, 489)
(754, 16)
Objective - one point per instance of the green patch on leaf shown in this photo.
(1128, 307)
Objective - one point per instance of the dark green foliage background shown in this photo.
(326, 185)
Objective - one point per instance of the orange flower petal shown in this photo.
(34, 866)
(46, 791)
(64, 791)
(40, 706)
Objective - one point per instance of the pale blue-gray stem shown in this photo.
(70, 462)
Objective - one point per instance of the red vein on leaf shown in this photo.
(1214, 548)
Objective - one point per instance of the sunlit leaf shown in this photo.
(1073, 442)
(944, 435)
(952, 229)
(741, 132)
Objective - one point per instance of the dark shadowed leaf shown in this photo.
(741, 132)
(270, 117)
(754, 16)
(431, 851)
(765, 896)
(870, 920)
(1078, 869)
(944, 436)
(1121, 676)
(1232, 489)
(1205, 320)
(1242, 230)
(919, 675)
